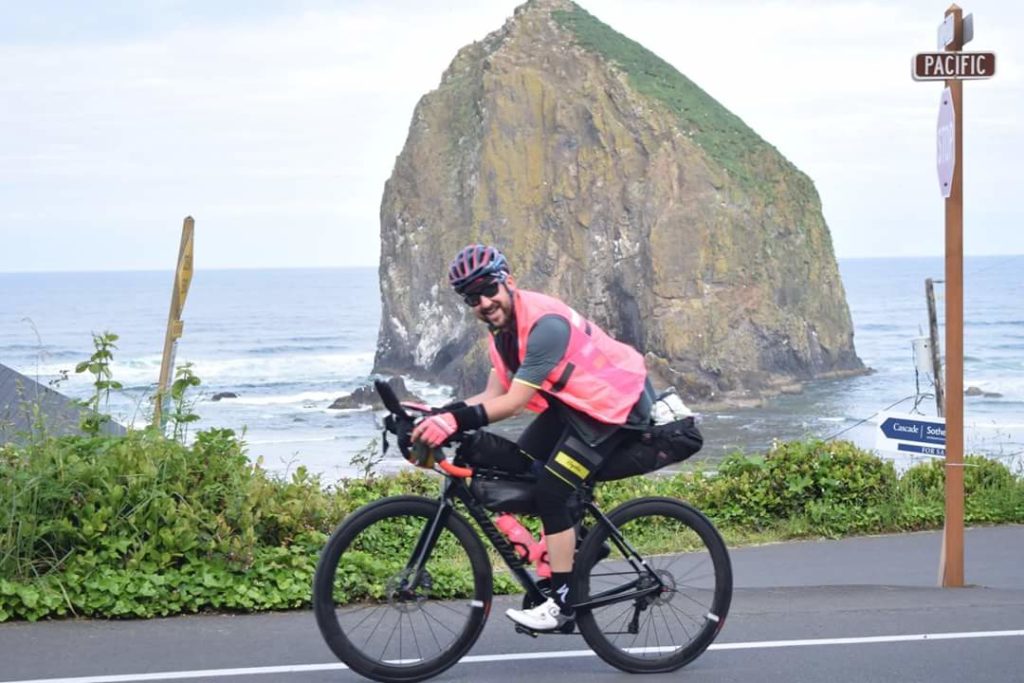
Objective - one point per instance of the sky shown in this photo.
(275, 124)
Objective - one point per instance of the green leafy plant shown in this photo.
(182, 403)
(368, 459)
(98, 366)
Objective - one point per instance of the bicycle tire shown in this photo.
(685, 617)
(362, 566)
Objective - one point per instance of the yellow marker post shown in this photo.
(182, 281)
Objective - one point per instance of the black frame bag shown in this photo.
(657, 446)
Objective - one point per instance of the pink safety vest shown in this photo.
(598, 375)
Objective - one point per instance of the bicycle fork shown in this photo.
(414, 574)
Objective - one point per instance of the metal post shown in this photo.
(953, 536)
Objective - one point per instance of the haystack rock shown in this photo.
(610, 180)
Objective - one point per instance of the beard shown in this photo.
(498, 315)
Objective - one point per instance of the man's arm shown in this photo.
(500, 404)
(510, 403)
(435, 429)
(492, 390)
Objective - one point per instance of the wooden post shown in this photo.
(182, 280)
(933, 340)
(953, 537)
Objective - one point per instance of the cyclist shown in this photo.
(587, 387)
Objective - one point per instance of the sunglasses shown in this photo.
(490, 290)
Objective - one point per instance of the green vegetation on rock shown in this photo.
(722, 134)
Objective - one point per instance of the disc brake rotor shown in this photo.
(668, 588)
(406, 598)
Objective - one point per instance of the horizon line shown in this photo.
(364, 266)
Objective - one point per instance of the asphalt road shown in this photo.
(863, 609)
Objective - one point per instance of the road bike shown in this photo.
(404, 585)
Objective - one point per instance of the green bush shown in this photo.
(839, 487)
(991, 491)
(141, 525)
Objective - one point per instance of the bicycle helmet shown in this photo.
(474, 262)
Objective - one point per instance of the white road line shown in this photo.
(479, 659)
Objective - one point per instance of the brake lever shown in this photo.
(421, 408)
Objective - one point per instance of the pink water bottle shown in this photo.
(525, 544)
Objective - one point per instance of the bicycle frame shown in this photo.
(645, 584)
(455, 488)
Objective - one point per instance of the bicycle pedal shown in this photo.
(526, 631)
(568, 627)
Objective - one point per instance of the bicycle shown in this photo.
(404, 585)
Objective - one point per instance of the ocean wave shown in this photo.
(877, 327)
(993, 323)
(270, 370)
(1010, 387)
(434, 394)
(363, 408)
(297, 439)
(992, 425)
(287, 348)
(303, 397)
(36, 352)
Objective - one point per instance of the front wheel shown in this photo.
(382, 617)
(671, 609)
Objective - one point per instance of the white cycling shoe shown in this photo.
(544, 617)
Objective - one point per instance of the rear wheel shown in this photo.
(386, 621)
(687, 583)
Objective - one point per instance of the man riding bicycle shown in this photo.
(587, 388)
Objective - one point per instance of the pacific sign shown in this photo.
(942, 66)
(911, 434)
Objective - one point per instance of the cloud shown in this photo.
(276, 115)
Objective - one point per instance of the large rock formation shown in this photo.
(612, 181)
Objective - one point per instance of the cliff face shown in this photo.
(612, 181)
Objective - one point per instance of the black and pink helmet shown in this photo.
(474, 262)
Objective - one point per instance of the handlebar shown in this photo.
(392, 404)
(455, 470)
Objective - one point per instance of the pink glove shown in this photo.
(418, 407)
(436, 429)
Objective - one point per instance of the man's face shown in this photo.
(491, 302)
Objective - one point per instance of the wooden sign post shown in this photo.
(953, 66)
(182, 280)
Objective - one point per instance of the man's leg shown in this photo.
(571, 464)
(540, 437)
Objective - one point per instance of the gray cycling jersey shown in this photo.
(545, 347)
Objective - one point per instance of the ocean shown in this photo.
(289, 342)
